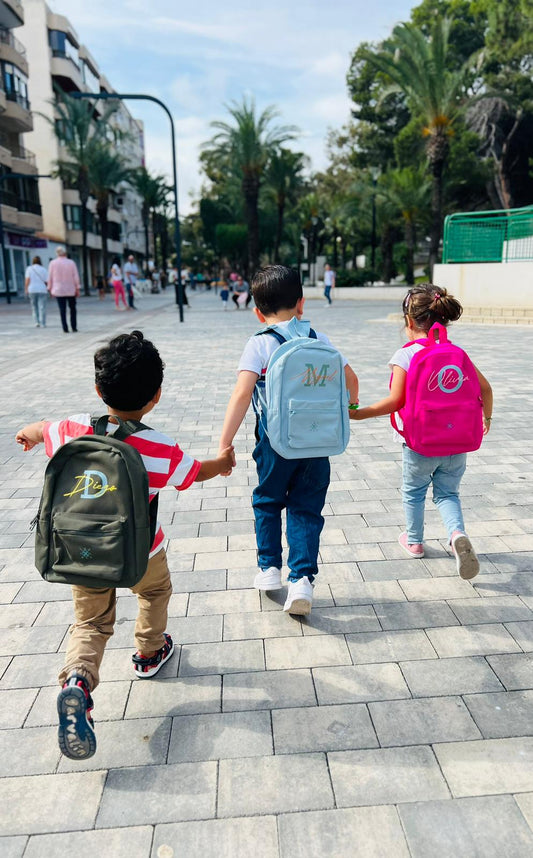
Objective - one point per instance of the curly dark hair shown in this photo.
(128, 371)
(427, 304)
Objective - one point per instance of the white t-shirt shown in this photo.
(116, 273)
(38, 276)
(329, 278)
(403, 358)
(132, 272)
(258, 351)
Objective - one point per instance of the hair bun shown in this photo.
(138, 335)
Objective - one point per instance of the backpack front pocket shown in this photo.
(313, 424)
(90, 546)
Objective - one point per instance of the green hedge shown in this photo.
(356, 277)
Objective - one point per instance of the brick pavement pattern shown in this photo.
(395, 721)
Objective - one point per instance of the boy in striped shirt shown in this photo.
(128, 376)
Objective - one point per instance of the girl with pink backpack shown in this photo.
(441, 407)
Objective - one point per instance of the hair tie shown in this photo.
(437, 297)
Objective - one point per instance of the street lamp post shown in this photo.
(122, 96)
(375, 175)
(3, 178)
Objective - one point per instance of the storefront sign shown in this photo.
(16, 240)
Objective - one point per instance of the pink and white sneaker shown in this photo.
(413, 549)
(465, 556)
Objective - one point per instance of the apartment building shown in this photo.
(20, 211)
(58, 59)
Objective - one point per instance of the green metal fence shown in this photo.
(497, 236)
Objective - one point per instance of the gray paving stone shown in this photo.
(367, 592)
(182, 629)
(32, 671)
(225, 657)
(322, 728)
(138, 796)
(502, 715)
(488, 766)
(310, 651)
(134, 842)
(49, 803)
(415, 615)
(402, 645)
(56, 614)
(483, 639)
(422, 722)
(488, 827)
(437, 588)
(192, 582)
(263, 785)
(227, 602)
(109, 704)
(220, 736)
(31, 640)
(8, 591)
(218, 838)
(274, 689)
(525, 803)
(183, 696)
(514, 671)
(261, 624)
(372, 832)
(134, 742)
(497, 609)
(340, 620)
(522, 633)
(396, 570)
(359, 684)
(14, 707)
(12, 847)
(519, 584)
(449, 676)
(42, 591)
(386, 776)
(13, 616)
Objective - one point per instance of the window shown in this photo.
(72, 216)
(62, 46)
(15, 85)
(92, 80)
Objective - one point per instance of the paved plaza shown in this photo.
(396, 720)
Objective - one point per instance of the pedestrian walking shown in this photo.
(241, 296)
(118, 284)
(298, 485)
(64, 286)
(35, 287)
(128, 377)
(427, 311)
(329, 283)
(131, 273)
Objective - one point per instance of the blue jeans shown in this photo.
(327, 294)
(300, 487)
(38, 307)
(445, 472)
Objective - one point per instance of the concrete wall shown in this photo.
(488, 284)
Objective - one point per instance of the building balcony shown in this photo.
(13, 51)
(11, 14)
(17, 116)
(10, 215)
(74, 239)
(66, 72)
(30, 221)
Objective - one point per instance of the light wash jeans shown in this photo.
(445, 472)
(38, 307)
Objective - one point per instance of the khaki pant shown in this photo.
(95, 612)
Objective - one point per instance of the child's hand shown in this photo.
(30, 436)
(227, 459)
(486, 425)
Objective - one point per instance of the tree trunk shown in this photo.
(250, 188)
(101, 208)
(410, 258)
(279, 228)
(154, 231)
(436, 214)
(335, 251)
(83, 190)
(387, 251)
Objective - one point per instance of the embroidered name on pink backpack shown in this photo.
(443, 412)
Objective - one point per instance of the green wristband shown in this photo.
(353, 407)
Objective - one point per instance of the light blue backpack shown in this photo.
(303, 402)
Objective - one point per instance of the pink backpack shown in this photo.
(443, 413)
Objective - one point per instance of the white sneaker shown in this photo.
(268, 579)
(465, 557)
(299, 597)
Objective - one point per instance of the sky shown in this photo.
(201, 55)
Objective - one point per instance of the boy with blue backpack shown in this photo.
(301, 389)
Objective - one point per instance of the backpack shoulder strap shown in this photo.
(276, 334)
(124, 429)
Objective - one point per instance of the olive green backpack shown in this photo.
(95, 525)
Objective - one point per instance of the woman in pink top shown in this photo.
(64, 285)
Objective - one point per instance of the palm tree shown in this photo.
(81, 134)
(247, 144)
(154, 192)
(107, 170)
(284, 180)
(418, 67)
(408, 192)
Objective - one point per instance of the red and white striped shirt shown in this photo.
(165, 462)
